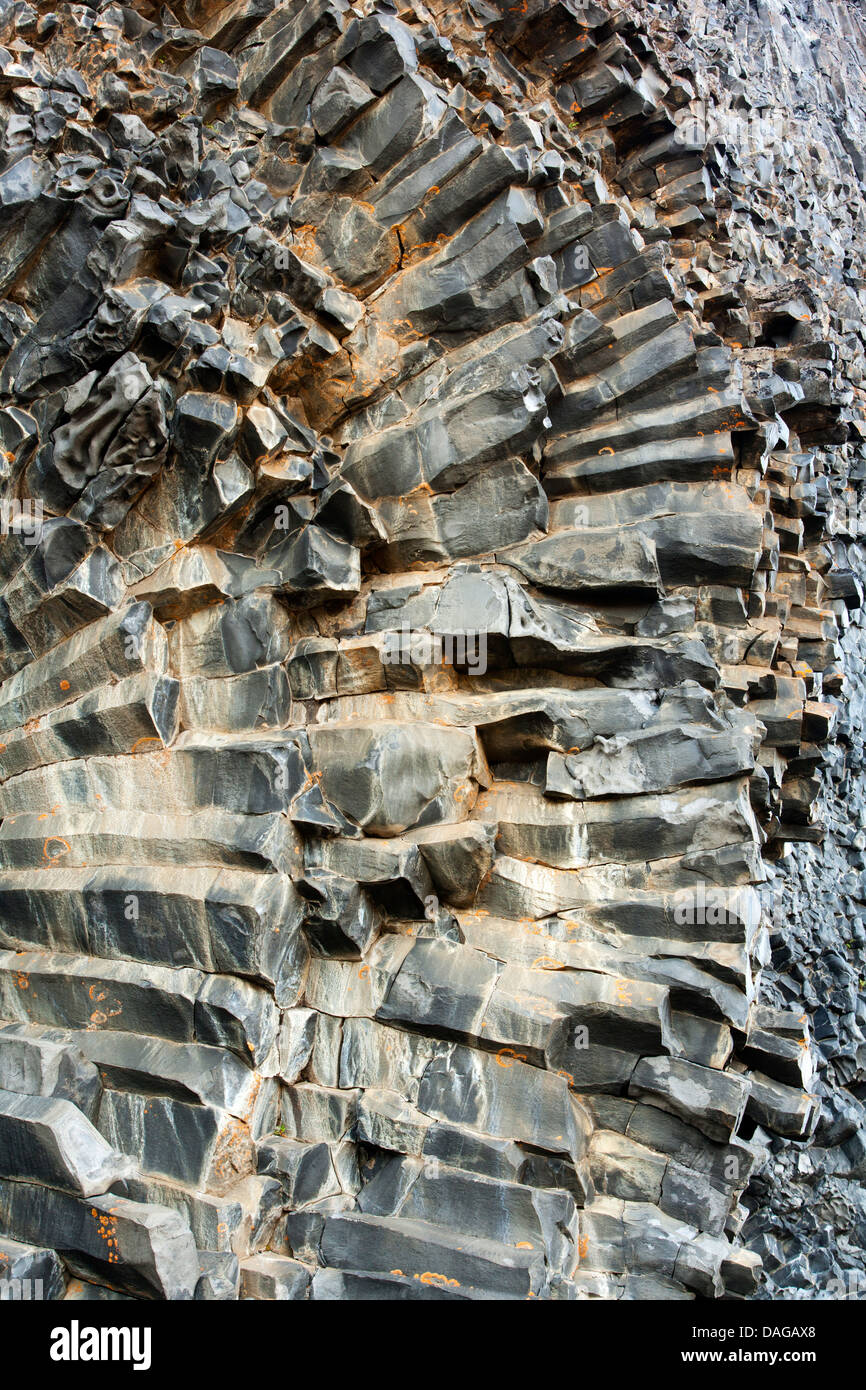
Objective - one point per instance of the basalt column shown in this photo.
(419, 603)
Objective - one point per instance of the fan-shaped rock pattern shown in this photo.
(420, 632)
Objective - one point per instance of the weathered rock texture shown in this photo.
(417, 699)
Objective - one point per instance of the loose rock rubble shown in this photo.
(431, 718)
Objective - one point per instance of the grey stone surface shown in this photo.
(431, 723)
(38, 1061)
(40, 1268)
(49, 1141)
(127, 1246)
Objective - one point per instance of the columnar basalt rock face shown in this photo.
(426, 598)
(781, 98)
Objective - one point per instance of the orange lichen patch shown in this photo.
(54, 854)
(304, 242)
(101, 1016)
(606, 449)
(582, 1246)
(546, 963)
(524, 1245)
(146, 739)
(106, 1229)
(506, 1056)
(233, 1148)
(428, 1277)
(22, 980)
(623, 991)
(64, 685)
(397, 1271)
(566, 1075)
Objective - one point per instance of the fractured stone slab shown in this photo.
(47, 1140)
(231, 921)
(141, 1249)
(181, 1005)
(136, 713)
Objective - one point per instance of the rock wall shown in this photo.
(796, 169)
(429, 576)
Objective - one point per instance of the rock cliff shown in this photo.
(431, 721)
